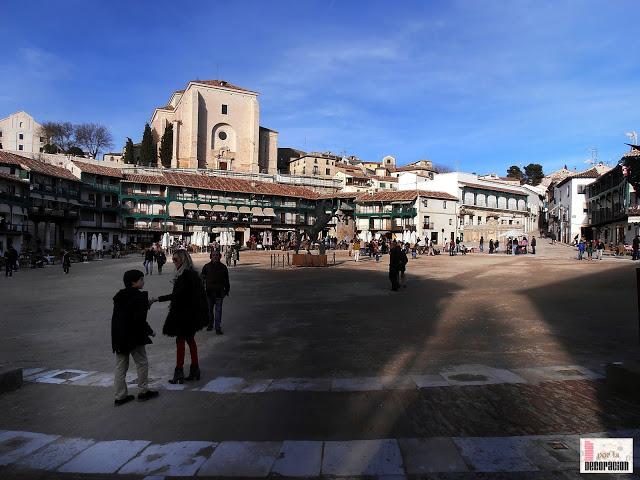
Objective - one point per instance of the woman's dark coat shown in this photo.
(129, 327)
(189, 310)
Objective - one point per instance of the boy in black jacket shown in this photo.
(129, 334)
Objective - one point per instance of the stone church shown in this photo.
(216, 126)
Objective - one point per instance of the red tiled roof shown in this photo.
(386, 179)
(493, 188)
(402, 196)
(222, 184)
(36, 166)
(221, 83)
(410, 168)
(590, 173)
(8, 176)
(98, 169)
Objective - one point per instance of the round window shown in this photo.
(222, 135)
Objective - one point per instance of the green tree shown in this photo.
(514, 172)
(75, 151)
(533, 174)
(166, 146)
(148, 155)
(128, 152)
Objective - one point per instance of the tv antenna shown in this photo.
(633, 137)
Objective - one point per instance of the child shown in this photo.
(129, 335)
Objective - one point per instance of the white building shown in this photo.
(19, 132)
(569, 209)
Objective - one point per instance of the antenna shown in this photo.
(594, 155)
(633, 136)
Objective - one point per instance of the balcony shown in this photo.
(102, 187)
(400, 212)
(428, 226)
(11, 229)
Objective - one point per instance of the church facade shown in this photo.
(216, 126)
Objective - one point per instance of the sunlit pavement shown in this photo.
(483, 363)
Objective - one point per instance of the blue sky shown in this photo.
(476, 85)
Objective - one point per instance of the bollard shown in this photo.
(288, 260)
(334, 259)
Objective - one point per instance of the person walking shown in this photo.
(403, 266)
(599, 249)
(636, 247)
(130, 334)
(481, 243)
(589, 250)
(491, 246)
(496, 245)
(356, 249)
(514, 246)
(66, 261)
(350, 247)
(533, 245)
(161, 259)
(452, 248)
(215, 277)
(188, 313)
(149, 256)
(581, 249)
(395, 262)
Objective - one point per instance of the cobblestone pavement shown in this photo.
(469, 372)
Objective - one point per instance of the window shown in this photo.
(328, 171)
(581, 189)
(20, 136)
(444, 206)
(425, 202)
(315, 170)
(0, 133)
(479, 220)
(510, 222)
(224, 109)
(20, 147)
(41, 139)
(383, 185)
(450, 221)
(315, 160)
(20, 124)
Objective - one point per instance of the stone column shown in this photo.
(47, 235)
(174, 152)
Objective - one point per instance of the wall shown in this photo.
(11, 129)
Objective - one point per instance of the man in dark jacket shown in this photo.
(395, 263)
(215, 277)
(636, 247)
(149, 257)
(129, 334)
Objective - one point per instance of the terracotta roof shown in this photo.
(8, 176)
(36, 166)
(98, 169)
(386, 179)
(493, 188)
(221, 83)
(590, 173)
(409, 168)
(338, 195)
(402, 196)
(222, 184)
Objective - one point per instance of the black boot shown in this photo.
(178, 376)
(194, 373)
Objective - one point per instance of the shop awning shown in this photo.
(218, 208)
(245, 210)
(176, 209)
(232, 209)
(268, 212)
(50, 197)
(204, 207)
(257, 211)
(190, 206)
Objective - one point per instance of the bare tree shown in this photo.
(50, 131)
(66, 133)
(93, 137)
(440, 168)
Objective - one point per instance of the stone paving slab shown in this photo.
(15, 445)
(362, 457)
(236, 385)
(300, 385)
(506, 454)
(56, 453)
(105, 457)
(174, 459)
(431, 455)
(299, 459)
(241, 459)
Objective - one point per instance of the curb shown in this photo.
(10, 379)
